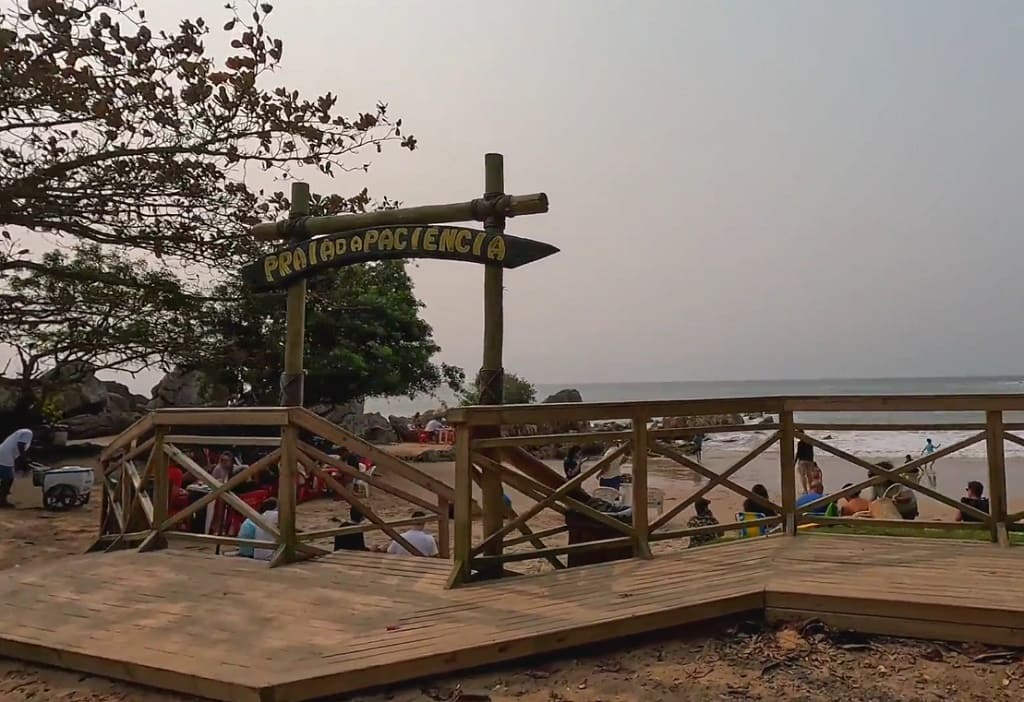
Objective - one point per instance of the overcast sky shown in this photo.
(740, 190)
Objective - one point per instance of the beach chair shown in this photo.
(751, 531)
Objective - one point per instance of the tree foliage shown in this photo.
(364, 337)
(128, 153)
(517, 391)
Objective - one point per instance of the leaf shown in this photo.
(267, 8)
(230, 25)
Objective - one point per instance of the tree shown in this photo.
(517, 391)
(90, 310)
(113, 134)
(364, 337)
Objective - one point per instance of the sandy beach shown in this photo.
(661, 669)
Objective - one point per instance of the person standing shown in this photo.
(572, 463)
(13, 454)
(805, 465)
(698, 446)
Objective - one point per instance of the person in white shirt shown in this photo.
(434, 426)
(269, 514)
(417, 538)
(611, 476)
(13, 454)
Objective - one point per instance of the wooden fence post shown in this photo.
(640, 511)
(444, 535)
(161, 493)
(787, 464)
(996, 475)
(463, 505)
(286, 500)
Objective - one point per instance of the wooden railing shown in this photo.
(497, 463)
(135, 507)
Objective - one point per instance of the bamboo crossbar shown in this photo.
(217, 540)
(140, 428)
(828, 426)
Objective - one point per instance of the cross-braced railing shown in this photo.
(494, 464)
(143, 508)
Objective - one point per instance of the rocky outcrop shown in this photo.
(704, 420)
(179, 388)
(567, 395)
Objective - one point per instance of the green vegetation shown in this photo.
(517, 391)
(914, 529)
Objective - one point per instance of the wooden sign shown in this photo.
(309, 257)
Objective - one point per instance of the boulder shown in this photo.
(179, 388)
(703, 420)
(76, 387)
(372, 427)
(105, 423)
(567, 395)
(337, 413)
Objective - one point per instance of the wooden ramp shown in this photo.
(231, 629)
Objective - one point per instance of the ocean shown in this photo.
(891, 444)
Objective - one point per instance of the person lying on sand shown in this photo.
(853, 504)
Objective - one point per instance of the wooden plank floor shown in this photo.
(231, 629)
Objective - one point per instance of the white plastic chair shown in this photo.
(656, 499)
(361, 486)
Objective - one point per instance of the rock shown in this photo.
(105, 423)
(404, 430)
(567, 395)
(337, 413)
(372, 427)
(706, 420)
(77, 389)
(179, 388)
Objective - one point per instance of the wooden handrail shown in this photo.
(140, 428)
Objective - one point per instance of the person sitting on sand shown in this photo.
(417, 538)
(355, 541)
(853, 504)
(703, 517)
(756, 507)
(434, 427)
(974, 498)
(815, 491)
(249, 530)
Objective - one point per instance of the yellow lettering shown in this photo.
(478, 243)
(299, 260)
(371, 238)
(430, 240)
(355, 244)
(339, 247)
(400, 238)
(387, 240)
(312, 253)
(462, 241)
(269, 266)
(496, 249)
(448, 240)
(326, 250)
(284, 262)
(416, 238)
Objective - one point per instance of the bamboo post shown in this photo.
(286, 502)
(463, 505)
(491, 376)
(996, 475)
(641, 514)
(292, 380)
(787, 462)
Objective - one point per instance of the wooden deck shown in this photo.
(232, 629)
